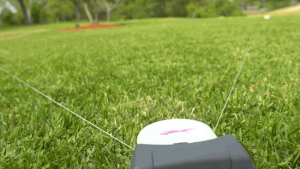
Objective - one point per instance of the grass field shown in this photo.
(123, 79)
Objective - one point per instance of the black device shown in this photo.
(224, 152)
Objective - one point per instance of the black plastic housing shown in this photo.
(221, 153)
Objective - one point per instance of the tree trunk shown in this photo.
(87, 11)
(78, 15)
(26, 19)
(164, 7)
(108, 14)
(96, 11)
(1, 23)
(29, 14)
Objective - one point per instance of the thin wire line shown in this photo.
(26, 84)
(237, 76)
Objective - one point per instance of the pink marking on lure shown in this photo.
(175, 131)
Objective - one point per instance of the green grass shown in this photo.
(123, 79)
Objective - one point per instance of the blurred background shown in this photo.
(17, 12)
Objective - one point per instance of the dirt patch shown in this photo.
(90, 27)
(18, 34)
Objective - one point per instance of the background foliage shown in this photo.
(45, 11)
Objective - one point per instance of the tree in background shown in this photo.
(2, 5)
(159, 7)
(141, 9)
(28, 9)
(38, 11)
(43, 11)
(87, 11)
(24, 10)
(76, 8)
(177, 8)
(96, 11)
(276, 4)
(29, 4)
(109, 5)
(6, 5)
(138, 9)
(210, 8)
(163, 7)
(228, 8)
(60, 10)
(202, 9)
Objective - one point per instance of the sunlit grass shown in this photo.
(293, 10)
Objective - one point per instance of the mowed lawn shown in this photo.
(123, 79)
